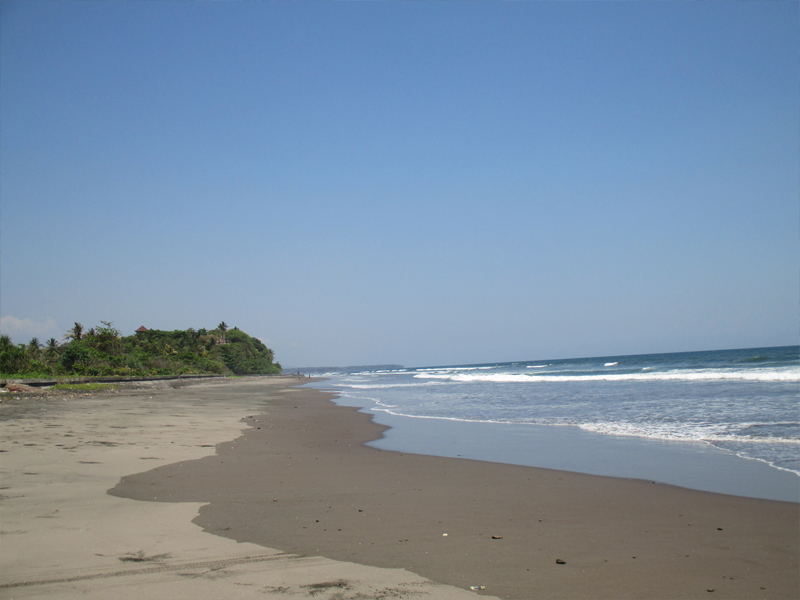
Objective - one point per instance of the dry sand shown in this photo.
(299, 479)
(62, 536)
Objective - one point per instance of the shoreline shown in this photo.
(323, 492)
(693, 465)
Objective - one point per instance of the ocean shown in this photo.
(741, 404)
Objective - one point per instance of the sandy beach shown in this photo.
(62, 536)
(254, 488)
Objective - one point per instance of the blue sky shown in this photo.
(416, 183)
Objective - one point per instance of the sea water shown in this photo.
(740, 402)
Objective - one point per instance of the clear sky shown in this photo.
(417, 183)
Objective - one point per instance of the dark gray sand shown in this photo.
(301, 480)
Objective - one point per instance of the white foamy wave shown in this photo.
(610, 364)
(711, 434)
(372, 373)
(359, 400)
(787, 375)
(450, 369)
(537, 366)
(384, 386)
(697, 432)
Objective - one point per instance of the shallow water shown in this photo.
(723, 421)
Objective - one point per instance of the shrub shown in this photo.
(76, 357)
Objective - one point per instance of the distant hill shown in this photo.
(353, 369)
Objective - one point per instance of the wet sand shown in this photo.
(300, 480)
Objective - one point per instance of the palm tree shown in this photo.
(194, 336)
(223, 327)
(76, 333)
(52, 346)
(33, 347)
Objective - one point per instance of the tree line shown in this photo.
(102, 351)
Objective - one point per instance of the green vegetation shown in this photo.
(101, 351)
